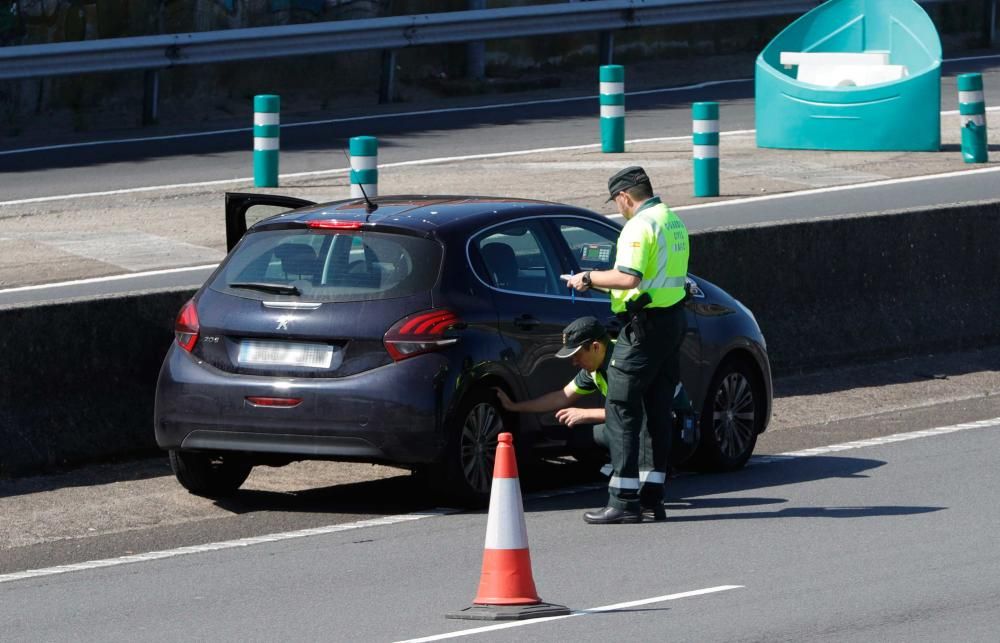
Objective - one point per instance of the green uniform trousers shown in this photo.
(642, 376)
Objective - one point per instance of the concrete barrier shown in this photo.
(858, 287)
(77, 378)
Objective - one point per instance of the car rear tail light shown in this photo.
(334, 224)
(186, 327)
(420, 333)
(284, 402)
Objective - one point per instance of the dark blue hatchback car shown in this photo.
(335, 332)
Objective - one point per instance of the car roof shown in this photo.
(428, 213)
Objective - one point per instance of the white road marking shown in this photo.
(721, 203)
(96, 280)
(682, 208)
(228, 544)
(391, 520)
(592, 610)
(839, 188)
(377, 117)
(454, 159)
(431, 161)
(148, 188)
(885, 439)
(832, 188)
(345, 170)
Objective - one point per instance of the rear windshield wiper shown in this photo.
(277, 289)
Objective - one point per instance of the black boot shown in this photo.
(612, 516)
(654, 513)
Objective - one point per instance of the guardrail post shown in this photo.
(705, 141)
(150, 96)
(612, 99)
(990, 22)
(475, 52)
(387, 84)
(364, 166)
(606, 48)
(972, 116)
(266, 126)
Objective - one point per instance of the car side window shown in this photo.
(591, 245)
(517, 258)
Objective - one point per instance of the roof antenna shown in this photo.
(369, 205)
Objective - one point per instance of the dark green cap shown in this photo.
(625, 179)
(580, 332)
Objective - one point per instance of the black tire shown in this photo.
(731, 417)
(465, 476)
(211, 475)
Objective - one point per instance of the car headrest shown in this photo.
(501, 262)
(297, 259)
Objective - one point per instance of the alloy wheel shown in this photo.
(734, 414)
(478, 444)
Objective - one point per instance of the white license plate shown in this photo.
(258, 353)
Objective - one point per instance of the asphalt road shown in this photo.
(877, 539)
(885, 540)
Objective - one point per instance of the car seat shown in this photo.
(298, 260)
(501, 262)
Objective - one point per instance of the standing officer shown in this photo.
(588, 344)
(647, 293)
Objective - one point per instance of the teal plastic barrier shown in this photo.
(845, 103)
(972, 115)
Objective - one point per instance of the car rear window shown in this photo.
(329, 266)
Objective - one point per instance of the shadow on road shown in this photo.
(812, 512)
(694, 492)
(562, 484)
(386, 496)
(86, 475)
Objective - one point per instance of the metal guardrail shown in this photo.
(165, 51)
(155, 53)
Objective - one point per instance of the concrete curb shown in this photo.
(78, 377)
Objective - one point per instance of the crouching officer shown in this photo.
(647, 293)
(588, 344)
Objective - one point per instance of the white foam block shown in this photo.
(792, 58)
(850, 75)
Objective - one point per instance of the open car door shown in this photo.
(244, 210)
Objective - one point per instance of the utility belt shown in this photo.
(637, 314)
(644, 313)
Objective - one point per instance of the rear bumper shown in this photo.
(389, 414)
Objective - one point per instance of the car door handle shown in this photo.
(526, 322)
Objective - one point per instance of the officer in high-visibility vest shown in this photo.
(647, 293)
(586, 342)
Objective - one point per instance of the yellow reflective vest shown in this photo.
(653, 246)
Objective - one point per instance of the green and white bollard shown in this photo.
(972, 112)
(705, 141)
(364, 166)
(266, 124)
(612, 108)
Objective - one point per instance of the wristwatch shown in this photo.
(586, 279)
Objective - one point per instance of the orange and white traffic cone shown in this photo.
(506, 586)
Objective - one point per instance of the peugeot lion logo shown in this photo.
(283, 322)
